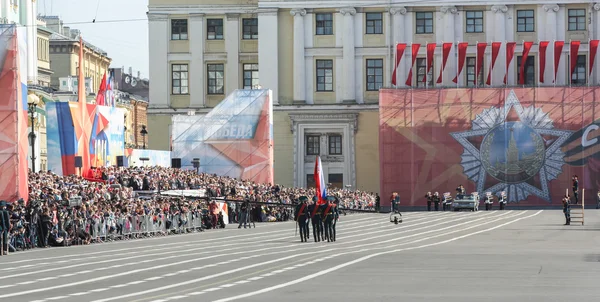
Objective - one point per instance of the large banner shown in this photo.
(528, 142)
(155, 158)
(13, 113)
(234, 139)
(103, 139)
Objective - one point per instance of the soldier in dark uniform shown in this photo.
(567, 209)
(429, 198)
(321, 211)
(244, 212)
(336, 215)
(315, 220)
(576, 188)
(502, 200)
(301, 217)
(4, 228)
(436, 200)
(328, 218)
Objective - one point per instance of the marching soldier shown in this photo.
(429, 198)
(567, 210)
(315, 218)
(328, 218)
(436, 201)
(336, 215)
(502, 200)
(301, 217)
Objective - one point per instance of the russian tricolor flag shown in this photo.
(320, 181)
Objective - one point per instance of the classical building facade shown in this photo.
(325, 62)
(64, 55)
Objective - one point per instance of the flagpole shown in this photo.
(554, 64)
(492, 64)
(539, 64)
(457, 66)
(588, 73)
(476, 61)
(426, 63)
(569, 64)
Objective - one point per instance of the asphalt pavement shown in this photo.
(431, 256)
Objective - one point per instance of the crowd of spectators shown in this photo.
(122, 203)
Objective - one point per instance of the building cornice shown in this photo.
(292, 109)
(387, 3)
(155, 13)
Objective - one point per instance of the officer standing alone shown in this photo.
(576, 188)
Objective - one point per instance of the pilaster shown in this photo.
(596, 35)
(398, 15)
(197, 74)
(450, 13)
(232, 46)
(349, 93)
(159, 74)
(499, 71)
(299, 64)
(268, 56)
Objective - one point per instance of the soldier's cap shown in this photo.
(303, 198)
(3, 203)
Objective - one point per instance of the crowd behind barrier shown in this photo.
(106, 205)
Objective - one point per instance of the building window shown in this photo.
(336, 180)
(250, 29)
(324, 75)
(471, 65)
(310, 181)
(335, 145)
(324, 24)
(250, 76)
(424, 23)
(214, 29)
(579, 74)
(577, 19)
(374, 23)
(529, 70)
(525, 21)
(474, 21)
(421, 68)
(374, 74)
(179, 76)
(215, 76)
(179, 29)
(313, 145)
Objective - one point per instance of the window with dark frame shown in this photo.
(424, 22)
(310, 181)
(421, 68)
(179, 29)
(179, 79)
(577, 19)
(215, 75)
(335, 145)
(579, 76)
(250, 29)
(324, 24)
(374, 74)
(324, 75)
(250, 76)
(474, 21)
(529, 70)
(374, 23)
(214, 29)
(471, 64)
(525, 21)
(336, 180)
(313, 145)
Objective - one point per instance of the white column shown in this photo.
(268, 58)
(158, 31)
(349, 94)
(299, 68)
(596, 23)
(28, 18)
(197, 74)
(398, 36)
(448, 37)
(232, 47)
(500, 36)
(550, 35)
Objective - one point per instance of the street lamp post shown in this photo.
(143, 132)
(32, 103)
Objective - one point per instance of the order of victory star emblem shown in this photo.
(513, 149)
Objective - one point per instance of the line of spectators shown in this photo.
(65, 210)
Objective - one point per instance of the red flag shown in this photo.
(542, 51)
(558, 46)
(526, 48)
(574, 53)
(510, 53)
(462, 55)
(100, 98)
(400, 47)
(415, 52)
(593, 50)
(430, 52)
(445, 53)
(480, 52)
(495, 51)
